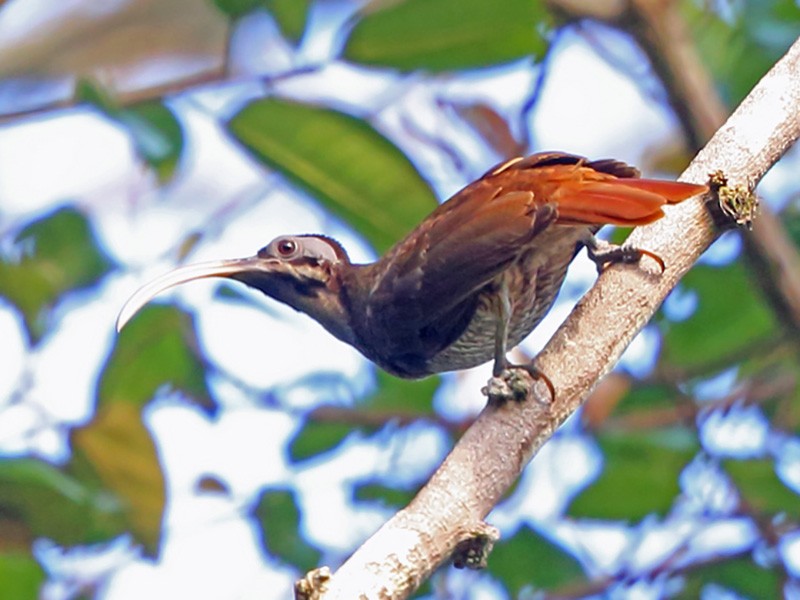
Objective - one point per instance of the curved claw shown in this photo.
(538, 374)
(655, 257)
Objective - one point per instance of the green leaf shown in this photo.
(278, 517)
(762, 489)
(157, 136)
(317, 437)
(443, 35)
(739, 51)
(20, 576)
(156, 348)
(237, 8)
(340, 160)
(58, 254)
(740, 575)
(730, 318)
(291, 15)
(640, 475)
(382, 494)
(790, 217)
(156, 133)
(90, 92)
(116, 451)
(528, 560)
(411, 396)
(644, 398)
(39, 500)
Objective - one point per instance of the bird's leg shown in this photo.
(604, 253)
(501, 331)
(506, 383)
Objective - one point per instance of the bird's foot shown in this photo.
(515, 383)
(604, 254)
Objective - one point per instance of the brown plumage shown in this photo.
(472, 280)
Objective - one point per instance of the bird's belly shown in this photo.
(533, 283)
(474, 347)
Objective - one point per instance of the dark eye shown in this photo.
(286, 247)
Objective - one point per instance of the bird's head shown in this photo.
(299, 270)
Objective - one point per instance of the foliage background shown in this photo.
(222, 445)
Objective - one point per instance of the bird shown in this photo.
(472, 280)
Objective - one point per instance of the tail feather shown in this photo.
(621, 201)
(672, 191)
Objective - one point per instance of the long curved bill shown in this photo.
(214, 268)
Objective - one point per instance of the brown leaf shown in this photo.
(119, 448)
(491, 126)
(604, 399)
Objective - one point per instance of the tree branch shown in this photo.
(493, 452)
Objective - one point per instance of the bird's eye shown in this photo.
(286, 247)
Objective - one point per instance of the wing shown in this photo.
(424, 289)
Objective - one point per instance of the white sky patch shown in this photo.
(261, 351)
(787, 459)
(790, 550)
(70, 384)
(71, 568)
(460, 395)
(599, 544)
(255, 46)
(705, 489)
(474, 585)
(201, 564)
(713, 388)
(413, 449)
(12, 350)
(58, 389)
(589, 107)
(680, 304)
(51, 160)
(330, 516)
(741, 432)
(641, 355)
(243, 447)
(213, 175)
(724, 536)
(143, 238)
(213, 169)
(549, 482)
(780, 185)
(723, 250)
(655, 540)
